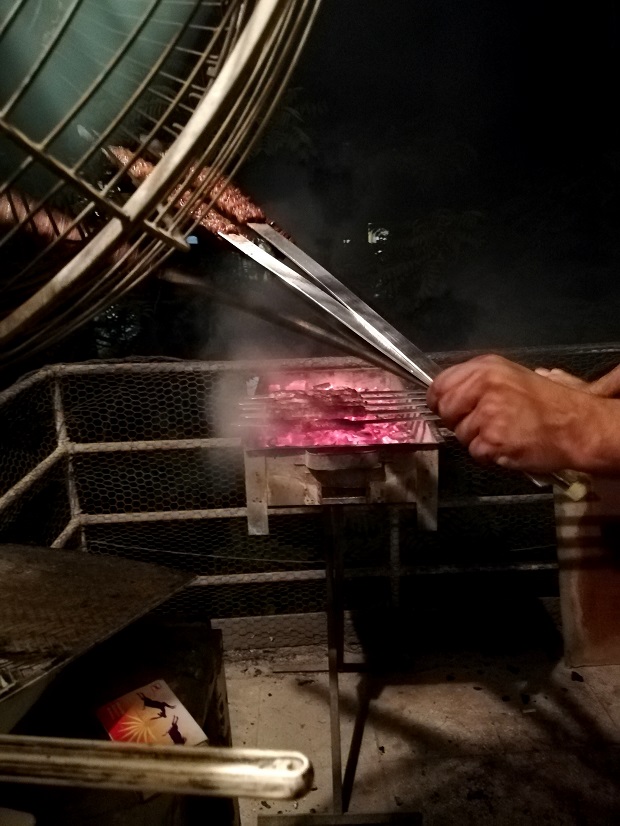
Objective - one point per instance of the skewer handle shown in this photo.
(575, 489)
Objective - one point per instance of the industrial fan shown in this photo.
(92, 92)
(121, 124)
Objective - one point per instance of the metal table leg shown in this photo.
(334, 564)
(335, 634)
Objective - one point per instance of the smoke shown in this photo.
(231, 334)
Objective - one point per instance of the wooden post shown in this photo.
(427, 492)
(256, 492)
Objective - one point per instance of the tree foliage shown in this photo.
(289, 133)
(415, 256)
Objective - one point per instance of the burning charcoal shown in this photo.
(328, 415)
(347, 391)
(330, 424)
(284, 394)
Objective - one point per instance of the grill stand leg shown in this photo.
(335, 645)
(334, 564)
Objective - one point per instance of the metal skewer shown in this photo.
(387, 337)
(354, 404)
(351, 319)
(341, 340)
(342, 424)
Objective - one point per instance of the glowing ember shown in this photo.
(326, 415)
(382, 433)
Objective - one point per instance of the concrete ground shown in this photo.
(481, 725)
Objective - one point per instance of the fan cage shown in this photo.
(142, 460)
(77, 231)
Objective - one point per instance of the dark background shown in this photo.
(481, 136)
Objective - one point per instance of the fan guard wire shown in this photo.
(262, 48)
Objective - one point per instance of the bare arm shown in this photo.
(507, 414)
(607, 386)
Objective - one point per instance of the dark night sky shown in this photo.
(530, 76)
(506, 109)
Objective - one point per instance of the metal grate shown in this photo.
(141, 460)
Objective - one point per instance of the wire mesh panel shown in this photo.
(159, 480)
(27, 431)
(142, 460)
(217, 548)
(39, 515)
(153, 402)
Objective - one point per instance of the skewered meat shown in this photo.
(139, 169)
(328, 415)
(50, 223)
(228, 197)
(208, 218)
(47, 223)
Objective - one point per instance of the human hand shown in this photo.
(507, 414)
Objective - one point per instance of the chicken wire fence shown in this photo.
(143, 460)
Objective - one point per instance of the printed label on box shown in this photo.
(151, 714)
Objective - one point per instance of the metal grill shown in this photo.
(142, 460)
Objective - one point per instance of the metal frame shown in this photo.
(342, 783)
(66, 449)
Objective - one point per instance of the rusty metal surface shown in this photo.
(55, 605)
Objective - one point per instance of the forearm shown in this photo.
(596, 444)
(608, 385)
(507, 414)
